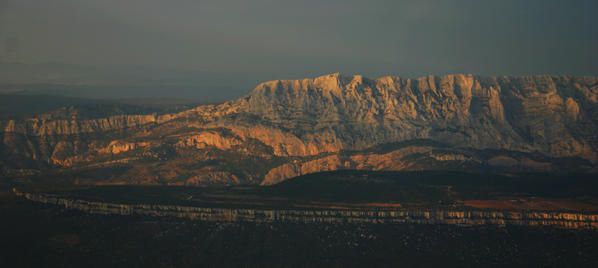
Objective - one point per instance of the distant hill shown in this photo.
(110, 82)
(23, 106)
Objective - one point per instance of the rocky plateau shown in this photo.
(462, 217)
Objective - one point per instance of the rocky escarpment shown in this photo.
(552, 115)
(289, 127)
(569, 220)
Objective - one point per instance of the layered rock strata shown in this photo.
(569, 220)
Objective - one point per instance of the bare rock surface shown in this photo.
(285, 128)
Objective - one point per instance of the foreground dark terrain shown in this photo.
(48, 235)
(45, 236)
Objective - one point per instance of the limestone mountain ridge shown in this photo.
(287, 128)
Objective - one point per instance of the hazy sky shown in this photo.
(271, 39)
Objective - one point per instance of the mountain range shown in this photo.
(287, 128)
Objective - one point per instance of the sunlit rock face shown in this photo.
(285, 128)
(540, 113)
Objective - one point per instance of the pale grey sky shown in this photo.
(238, 43)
